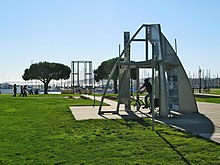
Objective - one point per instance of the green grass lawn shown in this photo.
(41, 130)
(215, 91)
(209, 100)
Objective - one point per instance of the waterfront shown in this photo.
(10, 91)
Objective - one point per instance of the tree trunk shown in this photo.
(115, 86)
(102, 85)
(46, 87)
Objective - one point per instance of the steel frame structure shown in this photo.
(172, 86)
(87, 77)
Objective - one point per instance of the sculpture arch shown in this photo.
(172, 86)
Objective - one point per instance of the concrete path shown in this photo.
(206, 123)
(212, 112)
(90, 112)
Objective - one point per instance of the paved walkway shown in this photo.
(206, 123)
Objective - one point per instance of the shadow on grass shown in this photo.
(194, 123)
(130, 116)
(173, 148)
(135, 118)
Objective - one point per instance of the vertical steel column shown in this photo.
(85, 73)
(90, 73)
(78, 73)
(164, 111)
(158, 55)
(153, 92)
(146, 42)
(72, 83)
(127, 76)
(137, 86)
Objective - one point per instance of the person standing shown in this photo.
(15, 90)
(148, 87)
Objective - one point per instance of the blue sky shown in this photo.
(62, 31)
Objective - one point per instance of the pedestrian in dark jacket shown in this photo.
(21, 92)
(15, 90)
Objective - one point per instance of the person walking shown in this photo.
(24, 91)
(15, 90)
(21, 92)
(148, 87)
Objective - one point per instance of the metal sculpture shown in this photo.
(171, 86)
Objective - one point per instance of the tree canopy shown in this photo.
(45, 72)
(104, 70)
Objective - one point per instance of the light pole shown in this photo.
(200, 80)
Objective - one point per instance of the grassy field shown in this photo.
(41, 130)
(215, 91)
(209, 100)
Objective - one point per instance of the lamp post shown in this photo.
(200, 80)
